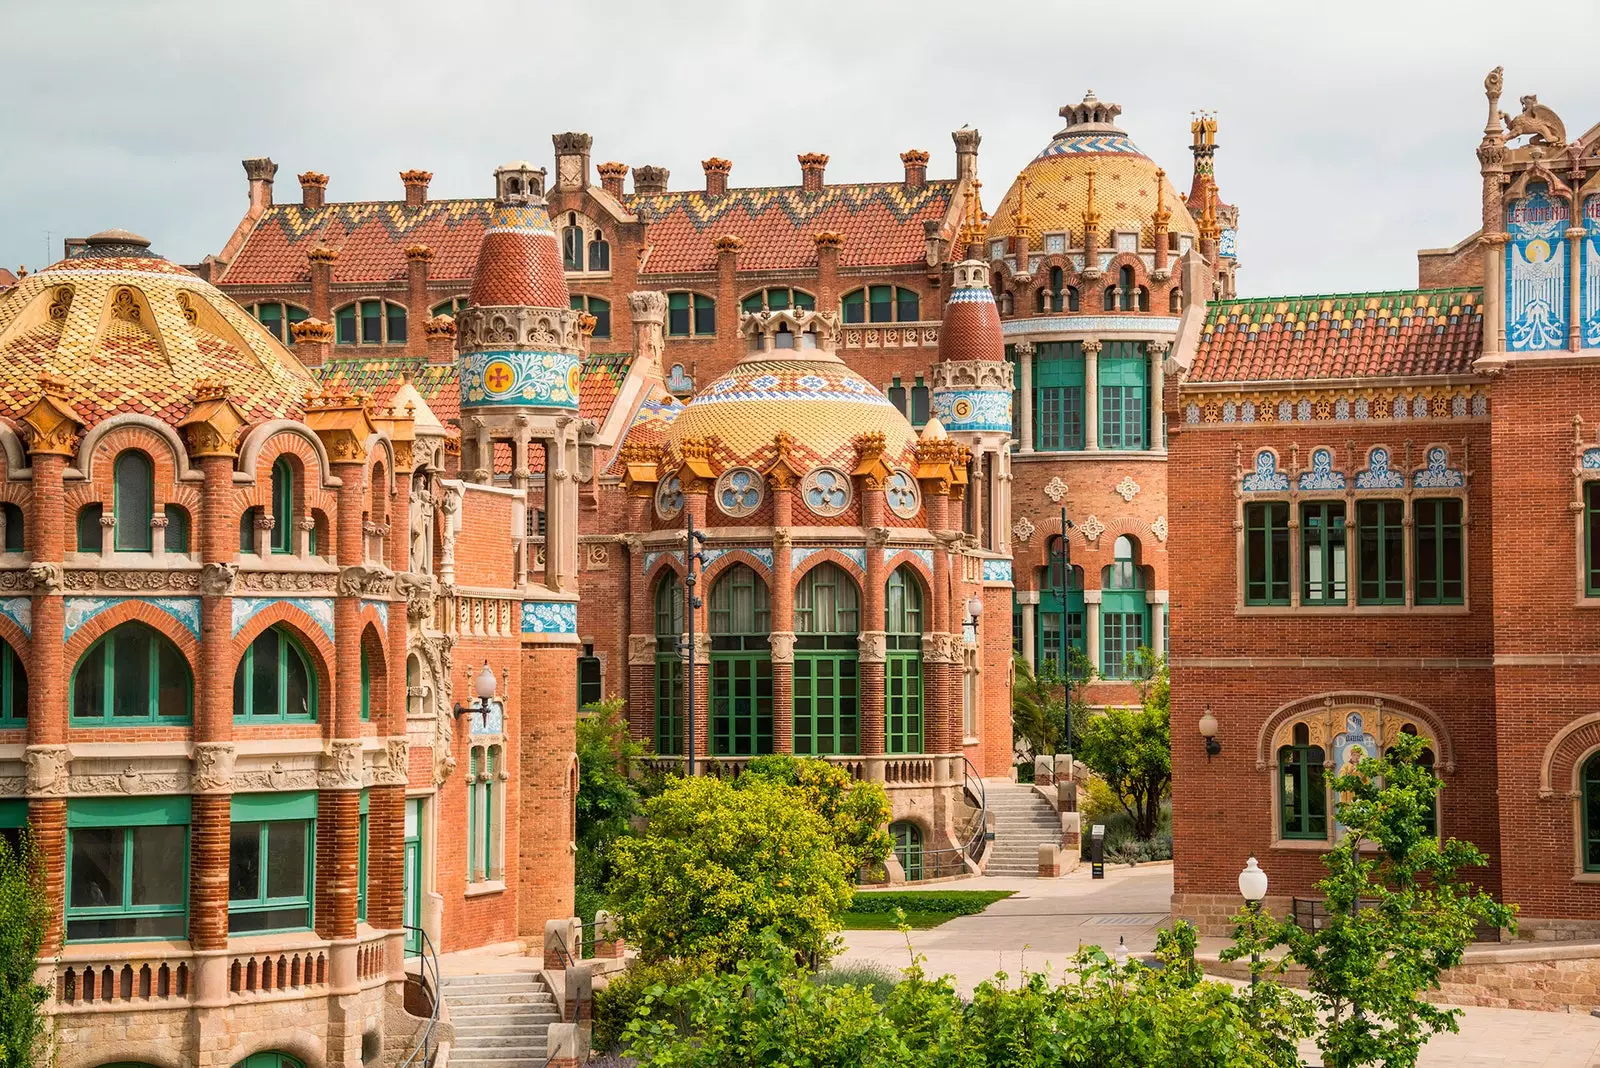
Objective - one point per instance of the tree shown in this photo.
(858, 812)
(607, 796)
(1131, 748)
(1398, 915)
(720, 864)
(23, 918)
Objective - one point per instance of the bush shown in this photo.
(1141, 850)
(876, 979)
(955, 903)
(620, 999)
(1096, 802)
(23, 914)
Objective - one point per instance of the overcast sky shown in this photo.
(1347, 129)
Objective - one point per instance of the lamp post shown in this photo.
(1208, 731)
(483, 688)
(693, 561)
(1253, 887)
(1062, 586)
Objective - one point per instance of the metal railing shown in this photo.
(565, 957)
(952, 860)
(1311, 914)
(421, 1055)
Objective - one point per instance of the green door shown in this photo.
(269, 1059)
(413, 876)
(741, 704)
(825, 705)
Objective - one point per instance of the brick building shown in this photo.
(1383, 521)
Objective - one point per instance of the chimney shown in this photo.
(966, 140)
(812, 164)
(649, 310)
(728, 246)
(416, 187)
(916, 162)
(611, 176)
(829, 242)
(313, 341)
(441, 332)
(572, 160)
(716, 175)
(935, 244)
(260, 172)
(417, 259)
(320, 262)
(313, 190)
(650, 181)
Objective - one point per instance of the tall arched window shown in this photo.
(132, 674)
(1057, 295)
(741, 665)
(669, 665)
(572, 244)
(599, 252)
(282, 506)
(1127, 290)
(827, 622)
(1124, 612)
(1590, 813)
(902, 704)
(275, 681)
(1060, 605)
(13, 688)
(176, 537)
(1302, 788)
(908, 848)
(135, 486)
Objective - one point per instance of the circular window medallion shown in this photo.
(669, 498)
(963, 408)
(826, 491)
(738, 492)
(902, 495)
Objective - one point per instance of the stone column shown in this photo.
(1091, 394)
(781, 628)
(1024, 351)
(1028, 600)
(1158, 633)
(1091, 625)
(386, 800)
(1158, 379)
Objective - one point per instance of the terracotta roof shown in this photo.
(371, 238)
(1352, 335)
(7, 278)
(882, 224)
(971, 326)
(518, 262)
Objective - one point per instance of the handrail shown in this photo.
(976, 844)
(425, 1043)
(564, 954)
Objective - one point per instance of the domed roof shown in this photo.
(807, 393)
(128, 331)
(1056, 184)
(971, 326)
(519, 263)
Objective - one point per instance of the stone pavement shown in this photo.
(1046, 921)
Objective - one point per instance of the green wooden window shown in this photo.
(13, 823)
(739, 610)
(1124, 612)
(283, 493)
(827, 605)
(597, 307)
(919, 402)
(1440, 564)
(741, 667)
(483, 793)
(902, 619)
(1266, 552)
(269, 1059)
(1381, 562)
(366, 685)
(371, 322)
(1123, 377)
(412, 878)
(279, 318)
(90, 533)
(13, 688)
(778, 298)
(881, 304)
(908, 848)
(599, 253)
(572, 246)
(247, 529)
(361, 861)
(176, 537)
(1058, 385)
(1122, 637)
(451, 308)
(1591, 538)
(344, 325)
(271, 861)
(133, 477)
(16, 527)
(394, 316)
(1047, 636)
(1591, 813)
(691, 315)
(827, 613)
(1302, 788)
(127, 868)
(275, 681)
(1323, 565)
(133, 674)
(589, 677)
(669, 665)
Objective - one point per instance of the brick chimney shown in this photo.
(313, 190)
(260, 172)
(320, 262)
(966, 140)
(716, 175)
(812, 164)
(916, 163)
(611, 176)
(572, 160)
(829, 242)
(441, 332)
(728, 246)
(417, 259)
(313, 341)
(416, 187)
(649, 181)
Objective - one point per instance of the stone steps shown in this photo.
(1023, 821)
(501, 1021)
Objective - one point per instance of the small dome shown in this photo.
(1057, 184)
(422, 416)
(971, 327)
(129, 331)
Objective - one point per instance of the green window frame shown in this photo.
(1591, 814)
(1324, 548)
(279, 319)
(483, 791)
(572, 244)
(1266, 553)
(371, 313)
(452, 307)
(13, 688)
(669, 665)
(366, 686)
(344, 325)
(827, 706)
(590, 689)
(361, 861)
(1439, 551)
(127, 869)
(394, 321)
(283, 515)
(134, 487)
(1591, 539)
(272, 851)
(778, 298)
(1122, 636)
(1058, 389)
(13, 823)
(175, 539)
(908, 848)
(1302, 788)
(691, 315)
(133, 674)
(1381, 561)
(275, 681)
(269, 1059)
(91, 536)
(741, 665)
(1123, 375)
(598, 307)
(919, 402)
(902, 673)
(1124, 612)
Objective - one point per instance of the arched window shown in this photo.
(597, 307)
(1175, 300)
(451, 308)
(278, 319)
(1128, 290)
(599, 252)
(132, 674)
(1072, 298)
(366, 685)
(1590, 813)
(1039, 300)
(13, 688)
(572, 244)
(1430, 818)
(370, 322)
(176, 536)
(1302, 788)
(874, 304)
(134, 479)
(827, 615)
(1056, 289)
(691, 315)
(415, 693)
(11, 516)
(669, 665)
(1124, 613)
(272, 1058)
(741, 667)
(1109, 303)
(902, 620)
(908, 848)
(282, 506)
(1124, 572)
(1060, 605)
(777, 299)
(275, 682)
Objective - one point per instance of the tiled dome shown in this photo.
(971, 327)
(129, 331)
(519, 262)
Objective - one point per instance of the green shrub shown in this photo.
(951, 902)
(622, 997)
(1096, 802)
(879, 980)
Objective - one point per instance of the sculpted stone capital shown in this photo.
(47, 770)
(216, 580)
(212, 772)
(874, 646)
(1023, 349)
(394, 768)
(782, 539)
(1091, 346)
(46, 578)
(341, 767)
(877, 537)
(641, 649)
(781, 646)
(702, 648)
(365, 580)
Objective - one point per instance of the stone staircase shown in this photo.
(1022, 822)
(501, 1021)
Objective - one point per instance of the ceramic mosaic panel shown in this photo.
(320, 609)
(79, 610)
(549, 617)
(1536, 273)
(508, 376)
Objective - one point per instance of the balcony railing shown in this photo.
(920, 335)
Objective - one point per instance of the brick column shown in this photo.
(547, 740)
(1024, 417)
(210, 817)
(873, 641)
(935, 708)
(47, 712)
(320, 263)
(781, 634)
(694, 502)
(418, 257)
(386, 799)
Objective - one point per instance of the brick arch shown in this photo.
(103, 1052)
(311, 475)
(134, 430)
(372, 643)
(302, 1045)
(1395, 710)
(133, 611)
(923, 572)
(736, 556)
(16, 456)
(1566, 752)
(666, 558)
(20, 643)
(98, 485)
(256, 442)
(1141, 274)
(311, 637)
(832, 556)
(380, 454)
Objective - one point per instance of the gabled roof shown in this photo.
(882, 224)
(370, 236)
(1352, 335)
(7, 278)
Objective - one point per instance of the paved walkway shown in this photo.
(1047, 920)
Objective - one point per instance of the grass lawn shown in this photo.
(923, 908)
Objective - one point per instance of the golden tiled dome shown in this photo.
(128, 331)
(1052, 192)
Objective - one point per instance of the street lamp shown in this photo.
(1208, 731)
(974, 611)
(1065, 559)
(484, 703)
(1253, 887)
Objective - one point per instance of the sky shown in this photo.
(1347, 130)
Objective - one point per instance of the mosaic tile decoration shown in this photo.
(1092, 324)
(762, 553)
(380, 607)
(997, 571)
(973, 409)
(549, 617)
(855, 554)
(925, 555)
(503, 377)
(80, 610)
(320, 609)
(20, 611)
